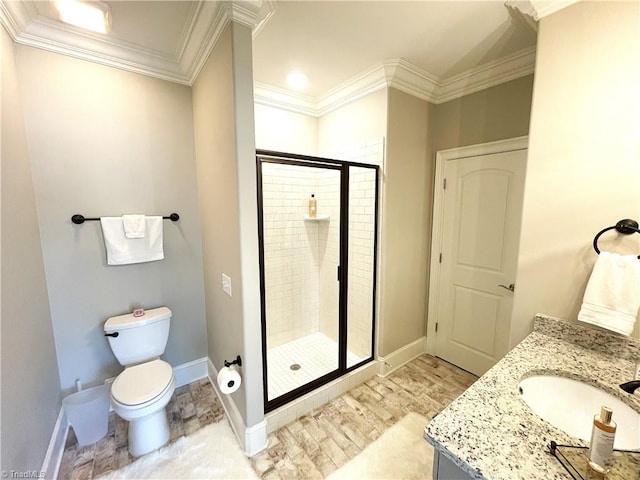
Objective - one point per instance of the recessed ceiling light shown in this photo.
(92, 15)
(297, 80)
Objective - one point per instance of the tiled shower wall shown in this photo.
(299, 252)
(301, 257)
(361, 260)
(329, 204)
(361, 242)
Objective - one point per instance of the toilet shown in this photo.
(141, 392)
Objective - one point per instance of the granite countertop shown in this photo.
(490, 433)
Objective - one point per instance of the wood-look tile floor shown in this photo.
(317, 444)
(192, 407)
(311, 447)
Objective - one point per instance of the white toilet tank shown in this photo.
(138, 339)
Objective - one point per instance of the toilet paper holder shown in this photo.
(237, 361)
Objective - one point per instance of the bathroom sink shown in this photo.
(570, 406)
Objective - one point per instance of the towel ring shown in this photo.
(625, 227)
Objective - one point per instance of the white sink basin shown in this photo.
(570, 405)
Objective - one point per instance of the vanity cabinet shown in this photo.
(489, 432)
(445, 469)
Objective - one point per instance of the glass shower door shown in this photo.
(300, 255)
(363, 196)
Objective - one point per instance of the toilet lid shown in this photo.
(142, 383)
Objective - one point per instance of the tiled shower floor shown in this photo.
(316, 354)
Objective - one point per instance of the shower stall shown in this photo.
(317, 271)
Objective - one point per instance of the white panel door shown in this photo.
(479, 247)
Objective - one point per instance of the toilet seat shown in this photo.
(142, 383)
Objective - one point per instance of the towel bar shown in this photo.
(80, 219)
(625, 227)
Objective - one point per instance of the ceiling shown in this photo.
(335, 41)
(157, 26)
(436, 50)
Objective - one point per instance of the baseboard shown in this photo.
(53, 457)
(252, 439)
(255, 438)
(191, 371)
(393, 361)
(321, 395)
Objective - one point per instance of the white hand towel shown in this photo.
(612, 297)
(122, 250)
(134, 226)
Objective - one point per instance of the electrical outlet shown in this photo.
(226, 284)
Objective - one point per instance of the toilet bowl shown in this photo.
(141, 392)
(139, 395)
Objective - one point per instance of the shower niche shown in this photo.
(317, 271)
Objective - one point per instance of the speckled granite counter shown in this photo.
(490, 433)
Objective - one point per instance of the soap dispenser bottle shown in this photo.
(313, 206)
(602, 437)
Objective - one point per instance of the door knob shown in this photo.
(511, 287)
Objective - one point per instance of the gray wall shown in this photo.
(496, 113)
(245, 139)
(106, 142)
(224, 153)
(30, 385)
(408, 188)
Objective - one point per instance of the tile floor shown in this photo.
(311, 447)
(317, 444)
(316, 354)
(191, 407)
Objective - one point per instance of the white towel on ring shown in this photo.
(612, 297)
(122, 250)
(134, 226)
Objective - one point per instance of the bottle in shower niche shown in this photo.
(313, 206)
(602, 437)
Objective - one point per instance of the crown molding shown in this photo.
(68, 40)
(547, 7)
(207, 20)
(188, 31)
(523, 6)
(538, 9)
(208, 24)
(516, 65)
(403, 76)
(353, 89)
(410, 79)
(245, 13)
(267, 11)
(40, 32)
(272, 96)
(357, 87)
(14, 17)
(205, 23)
(211, 20)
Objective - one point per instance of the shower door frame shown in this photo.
(269, 156)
